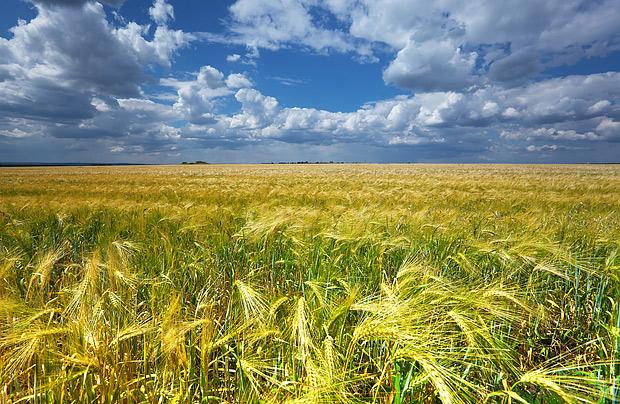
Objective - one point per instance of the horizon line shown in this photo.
(104, 164)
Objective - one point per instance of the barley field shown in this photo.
(310, 283)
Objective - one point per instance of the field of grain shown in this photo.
(310, 283)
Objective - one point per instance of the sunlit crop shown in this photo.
(310, 283)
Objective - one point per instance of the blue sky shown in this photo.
(287, 80)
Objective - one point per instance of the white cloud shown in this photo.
(558, 134)
(469, 72)
(272, 24)
(257, 110)
(166, 42)
(15, 132)
(289, 81)
(43, 50)
(237, 80)
(51, 72)
(431, 66)
(210, 77)
(47, 75)
(527, 113)
(609, 128)
(160, 49)
(511, 112)
(235, 57)
(439, 45)
(489, 109)
(543, 148)
(195, 100)
(161, 12)
(82, 82)
(599, 106)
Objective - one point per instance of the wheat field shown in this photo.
(310, 283)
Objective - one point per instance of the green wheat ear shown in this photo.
(311, 284)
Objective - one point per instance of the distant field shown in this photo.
(310, 283)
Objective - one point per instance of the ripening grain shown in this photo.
(310, 283)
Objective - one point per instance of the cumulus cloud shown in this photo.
(440, 46)
(44, 50)
(124, 118)
(237, 80)
(84, 82)
(550, 133)
(272, 24)
(257, 110)
(46, 75)
(161, 12)
(467, 69)
(431, 66)
(557, 110)
(197, 99)
(235, 57)
(516, 68)
(161, 48)
(543, 148)
(51, 73)
(210, 77)
(609, 128)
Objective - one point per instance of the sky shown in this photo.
(163, 81)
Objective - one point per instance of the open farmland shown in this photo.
(310, 283)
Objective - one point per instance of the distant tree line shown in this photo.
(315, 162)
